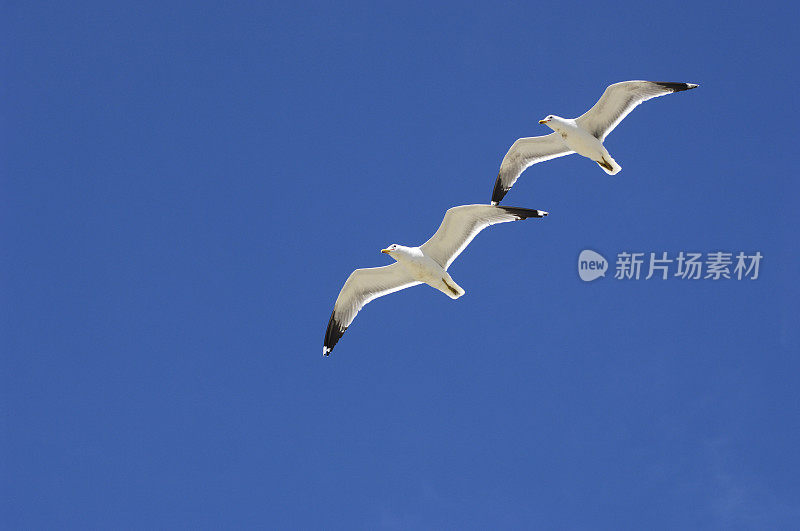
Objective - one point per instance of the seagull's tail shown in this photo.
(450, 288)
(609, 165)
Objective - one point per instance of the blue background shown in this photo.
(185, 187)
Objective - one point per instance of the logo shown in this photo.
(663, 265)
(591, 265)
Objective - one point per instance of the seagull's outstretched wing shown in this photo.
(523, 153)
(462, 223)
(619, 100)
(362, 286)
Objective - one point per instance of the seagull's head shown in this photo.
(549, 118)
(393, 248)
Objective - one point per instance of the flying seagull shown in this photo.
(427, 264)
(583, 135)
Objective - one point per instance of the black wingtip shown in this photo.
(524, 213)
(332, 335)
(676, 87)
(499, 191)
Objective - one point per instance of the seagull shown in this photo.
(583, 135)
(426, 264)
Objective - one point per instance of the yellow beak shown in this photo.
(385, 251)
(543, 121)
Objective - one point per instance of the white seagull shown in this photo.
(583, 135)
(427, 264)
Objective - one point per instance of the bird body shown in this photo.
(582, 142)
(424, 269)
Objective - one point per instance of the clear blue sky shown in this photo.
(185, 187)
